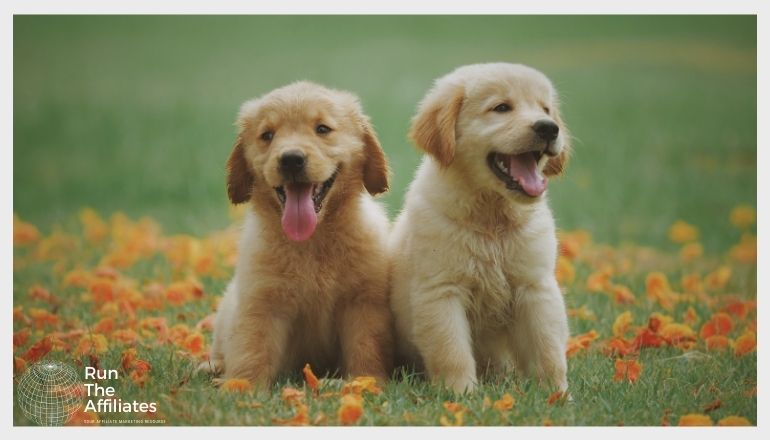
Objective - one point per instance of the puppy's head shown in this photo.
(300, 148)
(499, 123)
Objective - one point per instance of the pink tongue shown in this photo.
(523, 169)
(299, 219)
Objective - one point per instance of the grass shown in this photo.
(135, 114)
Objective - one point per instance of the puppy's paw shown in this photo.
(461, 384)
(211, 366)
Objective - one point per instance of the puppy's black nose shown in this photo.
(292, 162)
(546, 129)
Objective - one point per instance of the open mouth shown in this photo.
(300, 203)
(519, 172)
(318, 191)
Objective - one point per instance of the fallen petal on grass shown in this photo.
(734, 421)
(695, 420)
(351, 409)
(236, 386)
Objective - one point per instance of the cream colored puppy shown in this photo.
(472, 255)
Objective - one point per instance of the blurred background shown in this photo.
(135, 113)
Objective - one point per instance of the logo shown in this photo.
(49, 393)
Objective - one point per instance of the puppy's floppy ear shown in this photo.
(376, 171)
(433, 127)
(557, 164)
(239, 176)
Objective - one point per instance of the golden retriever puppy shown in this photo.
(310, 283)
(473, 252)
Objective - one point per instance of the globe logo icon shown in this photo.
(49, 393)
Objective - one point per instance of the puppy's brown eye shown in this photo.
(547, 110)
(322, 129)
(266, 136)
(502, 108)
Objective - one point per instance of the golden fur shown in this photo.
(472, 261)
(323, 300)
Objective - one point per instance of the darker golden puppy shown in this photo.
(310, 285)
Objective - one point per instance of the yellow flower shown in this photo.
(719, 278)
(505, 403)
(659, 289)
(682, 232)
(622, 324)
(457, 411)
(691, 251)
(743, 216)
(678, 335)
(599, 281)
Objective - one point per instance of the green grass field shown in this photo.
(135, 114)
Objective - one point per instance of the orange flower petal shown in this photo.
(194, 343)
(236, 385)
(556, 397)
(691, 251)
(19, 365)
(719, 278)
(351, 409)
(622, 294)
(682, 232)
(580, 342)
(292, 395)
(745, 344)
(91, 344)
(695, 420)
(717, 343)
(38, 350)
(599, 281)
(360, 384)
(310, 378)
(565, 271)
(719, 324)
(734, 421)
(24, 233)
(743, 216)
(675, 333)
(505, 403)
(629, 370)
(619, 347)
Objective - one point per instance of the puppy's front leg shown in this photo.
(366, 336)
(442, 336)
(257, 345)
(541, 332)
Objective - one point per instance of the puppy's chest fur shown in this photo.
(315, 280)
(496, 268)
(312, 283)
